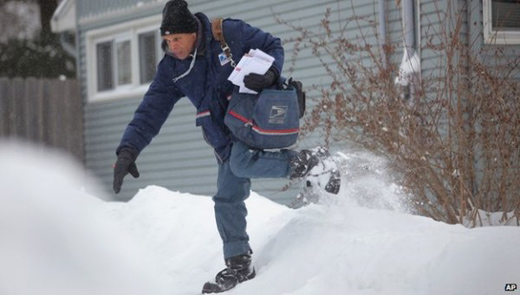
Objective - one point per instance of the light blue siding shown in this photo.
(92, 8)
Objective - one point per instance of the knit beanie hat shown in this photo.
(177, 19)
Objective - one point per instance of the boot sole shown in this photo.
(210, 287)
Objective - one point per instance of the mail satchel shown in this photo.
(268, 120)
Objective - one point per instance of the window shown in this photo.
(124, 63)
(104, 66)
(502, 21)
(114, 68)
(121, 60)
(147, 56)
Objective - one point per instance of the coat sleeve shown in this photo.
(152, 112)
(254, 38)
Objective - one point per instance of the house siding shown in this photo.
(99, 8)
(494, 57)
(439, 18)
(431, 26)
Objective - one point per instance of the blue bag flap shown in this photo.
(276, 112)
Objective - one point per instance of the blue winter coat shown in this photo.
(206, 85)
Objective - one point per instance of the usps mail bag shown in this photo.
(269, 120)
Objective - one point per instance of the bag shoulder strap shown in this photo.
(216, 28)
(218, 34)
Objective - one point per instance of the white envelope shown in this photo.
(256, 61)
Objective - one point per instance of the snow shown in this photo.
(410, 65)
(57, 238)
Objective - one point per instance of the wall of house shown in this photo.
(462, 20)
(96, 8)
(493, 56)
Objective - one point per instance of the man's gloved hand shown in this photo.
(258, 82)
(125, 164)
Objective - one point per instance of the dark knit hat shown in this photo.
(177, 19)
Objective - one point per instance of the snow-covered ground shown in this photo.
(57, 239)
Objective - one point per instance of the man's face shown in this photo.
(180, 45)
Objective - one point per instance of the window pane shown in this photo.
(506, 15)
(147, 56)
(124, 63)
(104, 66)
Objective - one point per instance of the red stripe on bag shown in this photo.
(264, 131)
(238, 116)
(275, 132)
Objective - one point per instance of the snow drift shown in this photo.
(58, 239)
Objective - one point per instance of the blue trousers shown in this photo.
(233, 187)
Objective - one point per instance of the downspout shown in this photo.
(409, 70)
(409, 27)
(67, 46)
(382, 32)
(77, 56)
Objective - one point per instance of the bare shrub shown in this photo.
(452, 135)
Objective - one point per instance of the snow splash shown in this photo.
(366, 181)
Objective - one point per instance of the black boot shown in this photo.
(238, 270)
(318, 169)
(302, 164)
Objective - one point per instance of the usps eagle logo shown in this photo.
(278, 114)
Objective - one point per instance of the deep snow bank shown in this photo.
(325, 249)
(57, 239)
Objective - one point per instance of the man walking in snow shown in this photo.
(191, 68)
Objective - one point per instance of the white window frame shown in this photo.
(97, 43)
(498, 37)
(127, 37)
(158, 50)
(116, 33)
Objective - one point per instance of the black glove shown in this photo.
(125, 164)
(258, 82)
